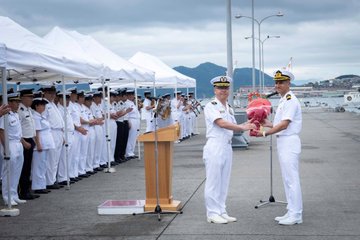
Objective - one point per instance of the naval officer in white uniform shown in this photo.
(217, 155)
(287, 126)
(16, 143)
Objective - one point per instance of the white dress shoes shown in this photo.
(228, 218)
(291, 220)
(216, 219)
(282, 217)
(19, 201)
(13, 203)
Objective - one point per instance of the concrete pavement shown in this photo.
(330, 167)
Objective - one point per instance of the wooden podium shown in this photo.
(165, 142)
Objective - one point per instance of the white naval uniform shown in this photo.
(113, 131)
(39, 166)
(175, 111)
(148, 116)
(97, 111)
(134, 120)
(62, 171)
(91, 146)
(57, 130)
(74, 110)
(16, 160)
(217, 157)
(84, 141)
(289, 149)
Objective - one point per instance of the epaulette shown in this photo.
(288, 96)
(213, 102)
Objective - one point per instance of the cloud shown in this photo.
(321, 36)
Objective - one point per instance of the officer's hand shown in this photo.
(26, 145)
(266, 123)
(129, 109)
(4, 109)
(249, 126)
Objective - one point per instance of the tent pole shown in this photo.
(137, 108)
(9, 211)
(66, 144)
(108, 139)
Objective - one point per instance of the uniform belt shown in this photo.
(57, 129)
(14, 140)
(280, 136)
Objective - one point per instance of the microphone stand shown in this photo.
(157, 209)
(271, 198)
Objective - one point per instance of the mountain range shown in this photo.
(206, 71)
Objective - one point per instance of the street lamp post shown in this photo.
(261, 49)
(279, 14)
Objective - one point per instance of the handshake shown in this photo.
(257, 111)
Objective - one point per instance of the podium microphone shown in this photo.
(272, 94)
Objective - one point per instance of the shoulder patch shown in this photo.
(213, 103)
(288, 96)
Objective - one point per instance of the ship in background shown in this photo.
(353, 97)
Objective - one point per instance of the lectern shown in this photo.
(165, 143)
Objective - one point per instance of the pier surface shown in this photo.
(330, 168)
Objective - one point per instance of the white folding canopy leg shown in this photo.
(107, 126)
(137, 107)
(196, 119)
(9, 211)
(66, 144)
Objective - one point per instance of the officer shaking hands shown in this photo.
(217, 154)
(287, 126)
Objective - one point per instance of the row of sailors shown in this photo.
(36, 130)
(39, 162)
(161, 112)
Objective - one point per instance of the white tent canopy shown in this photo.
(165, 76)
(28, 57)
(118, 67)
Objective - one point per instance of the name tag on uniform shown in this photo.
(222, 111)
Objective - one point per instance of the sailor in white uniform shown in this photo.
(134, 124)
(44, 142)
(29, 133)
(57, 130)
(97, 111)
(65, 161)
(148, 112)
(217, 155)
(16, 144)
(287, 127)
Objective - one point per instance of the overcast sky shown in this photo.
(322, 36)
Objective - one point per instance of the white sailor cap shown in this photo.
(13, 97)
(67, 94)
(72, 90)
(48, 87)
(130, 91)
(221, 81)
(282, 75)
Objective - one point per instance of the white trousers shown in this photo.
(38, 169)
(150, 125)
(52, 162)
(113, 136)
(99, 139)
(65, 160)
(75, 155)
(84, 145)
(289, 149)
(91, 150)
(104, 153)
(133, 133)
(217, 156)
(14, 165)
